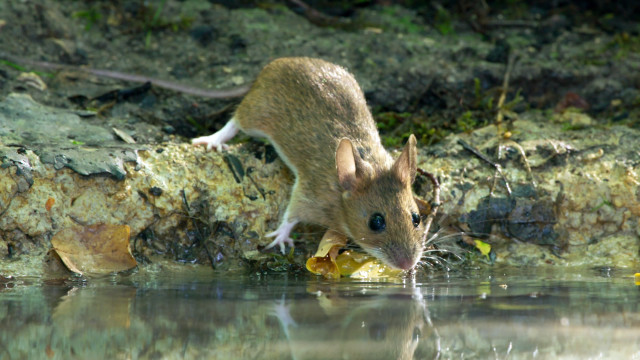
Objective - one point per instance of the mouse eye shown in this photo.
(416, 219)
(377, 223)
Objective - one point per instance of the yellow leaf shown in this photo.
(330, 240)
(483, 247)
(328, 263)
(324, 261)
(364, 266)
(324, 266)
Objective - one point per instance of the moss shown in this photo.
(624, 44)
(90, 16)
(443, 21)
(395, 128)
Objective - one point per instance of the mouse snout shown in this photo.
(405, 263)
(404, 259)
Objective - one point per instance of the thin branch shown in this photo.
(435, 203)
(505, 89)
(169, 85)
(482, 157)
(318, 18)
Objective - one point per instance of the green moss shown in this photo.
(603, 203)
(157, 22)
(90, 16)
(443, 21)
(479, 111)
(395, 18)
(467, 121)
(622, 44)
(395, 128)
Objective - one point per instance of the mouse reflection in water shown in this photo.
(334, 326)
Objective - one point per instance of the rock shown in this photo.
(583, 191)
(219, 207)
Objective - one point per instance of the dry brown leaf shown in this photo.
(97, 249)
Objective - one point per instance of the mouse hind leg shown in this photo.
(219, 138)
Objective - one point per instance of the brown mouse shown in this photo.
(315, 115)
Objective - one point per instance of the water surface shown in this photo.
(488, 314)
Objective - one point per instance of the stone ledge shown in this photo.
(582, 205)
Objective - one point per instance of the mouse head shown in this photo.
(380, 213)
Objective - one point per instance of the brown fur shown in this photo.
(306, 107)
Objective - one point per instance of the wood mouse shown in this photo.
(315, 115)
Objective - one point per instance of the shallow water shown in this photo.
(489, 314)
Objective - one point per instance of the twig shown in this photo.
(482, 157)
(504, 90)
(213, 94)
(500, 116)
(511, 23)
(525, 160)
(435, 203)
(250, 170)
(320, 19)
(476, 152)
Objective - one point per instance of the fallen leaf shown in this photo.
(483, 247)
(364, 266)
(328, 263)
(124, 136)
(94, 249)
(325, 266)
(324, 261)
(32, 79)
(331, 240)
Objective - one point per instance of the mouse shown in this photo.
(315, 115)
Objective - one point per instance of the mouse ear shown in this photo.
(353, 170)
(405, 166)
(346, 165)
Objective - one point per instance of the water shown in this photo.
(489, 314)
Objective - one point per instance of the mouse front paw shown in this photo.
(282, 236)
(280, 240)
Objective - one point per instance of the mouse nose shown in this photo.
(403, 257)
(405, 263)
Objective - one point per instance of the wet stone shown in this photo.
(61, 138)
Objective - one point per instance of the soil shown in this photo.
(442, 66)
